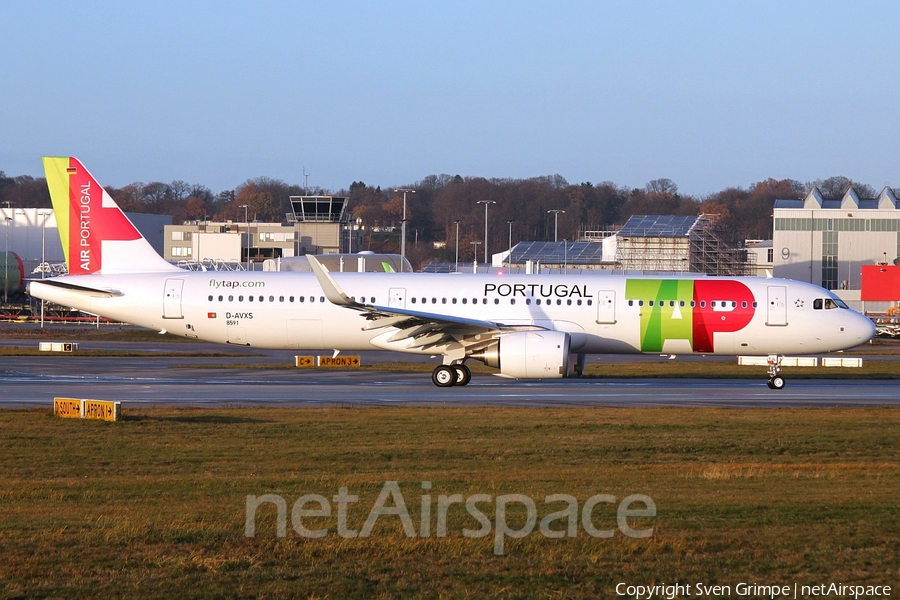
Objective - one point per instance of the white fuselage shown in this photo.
(602, 314)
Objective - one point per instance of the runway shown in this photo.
(164, 381)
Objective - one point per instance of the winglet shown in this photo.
(332, 290)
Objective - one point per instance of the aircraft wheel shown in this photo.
(444, 376)
(776, 383)
(463, 374)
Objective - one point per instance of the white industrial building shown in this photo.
(315, 225)
(826, 241)
(31, 233)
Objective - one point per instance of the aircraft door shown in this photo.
(172, 299)
(606, 307)
(397, 298)
(777, 307)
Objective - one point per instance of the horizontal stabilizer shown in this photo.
(77, 289)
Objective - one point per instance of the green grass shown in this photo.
(154, 506)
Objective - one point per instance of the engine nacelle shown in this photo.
(529, 354)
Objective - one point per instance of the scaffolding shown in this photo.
(681, 244)
(713, 254)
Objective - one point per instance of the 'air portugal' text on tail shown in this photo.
(96, 235)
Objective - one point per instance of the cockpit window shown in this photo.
(829, 303)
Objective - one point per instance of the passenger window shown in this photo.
(640, 302)
(693, 303)
(558, 302)
(240, 298)
(512, 300)
(453, 301)
(703, 304)
(681, 304)
(434, 300)
(321, 299)
(231, 298)
(631, 303)
(272, 299)
(579, 302)
(413, 299)
(590, 302)
(528, 301)
(733, 304)
(650, 303)
(496, 300)
(443, 301)
(210, 298)
(569, 302)
(290, 298)
(465, 300)
(220, 298)
(754, 304)
(744, 304)
(302, 298)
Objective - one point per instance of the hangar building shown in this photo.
(827, 241)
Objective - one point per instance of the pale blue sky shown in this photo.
(708, 94)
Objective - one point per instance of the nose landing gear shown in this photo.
(776, 381)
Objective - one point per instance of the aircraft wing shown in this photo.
(426, 330)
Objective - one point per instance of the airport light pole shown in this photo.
(475, 267)
(6, 264)
(403, 227)
(555, 212)
(456, 269)
(486, 203)
(45, 213)
(247, 223)
(509, 256)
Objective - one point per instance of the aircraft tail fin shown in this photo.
(96, 235)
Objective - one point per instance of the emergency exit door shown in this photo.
(606, 307)
(777, 306)
(172, 299)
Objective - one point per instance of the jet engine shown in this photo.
(529, 354)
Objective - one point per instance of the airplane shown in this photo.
(525, 326)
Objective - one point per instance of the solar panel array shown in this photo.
(657, 226)
(573, 253)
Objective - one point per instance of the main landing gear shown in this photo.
(776, 381)
(450, 375)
